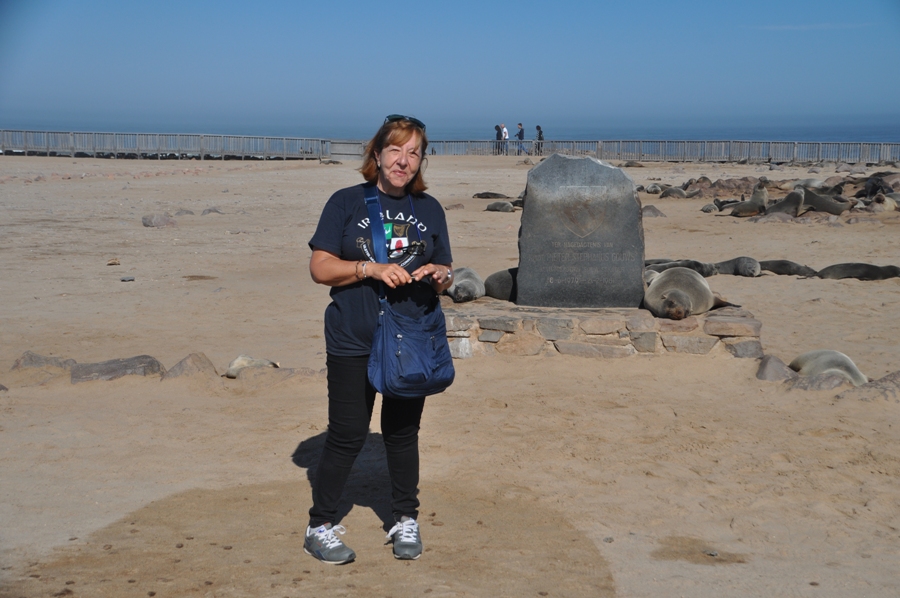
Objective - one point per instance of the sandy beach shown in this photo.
(551, 475)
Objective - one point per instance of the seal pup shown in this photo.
(489, 195)
(678, 293)
(701, 268)
(859, 271)
(882, 203)
(739, 266)
(792, 204)
(654, 189)
(725, 203)
(245, 361)
(502, 285)
(500, 206)
(467, 286)
(787, 268)
(827, 361)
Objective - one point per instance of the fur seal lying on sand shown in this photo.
(502, 285)
(678, 192)
(678, 293)
(245, 361)
(786, 268)
(500, 206)
(859, 271)
(739, 266)
(827, 361)
(489, 195)
(467, 285)
(701, 268)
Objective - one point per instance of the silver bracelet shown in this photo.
(449, 273)
(364, 268)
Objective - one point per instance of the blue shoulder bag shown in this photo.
(410, 357)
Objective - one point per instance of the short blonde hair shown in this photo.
(396, 132)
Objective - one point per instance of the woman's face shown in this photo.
(398, 164)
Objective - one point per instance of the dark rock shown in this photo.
(521, 343)
(142, 365)
(504, 323)
(193, 364)
(555, 328)
(158, 221)
(490, 336)
(593, 350)
(744, 348)
(886, 388)
(822, 381)
(645, 342)
(697, 345)
(581, 242)
(773, 369)
(33, 360)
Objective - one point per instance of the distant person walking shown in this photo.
(498, 143)
(520, 147)
(505, 134)
(539, 141)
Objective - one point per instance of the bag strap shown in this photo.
(376, 224)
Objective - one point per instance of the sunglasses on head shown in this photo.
(395, 117)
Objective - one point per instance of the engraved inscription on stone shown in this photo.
(582, 242)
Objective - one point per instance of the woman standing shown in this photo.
(419, 269)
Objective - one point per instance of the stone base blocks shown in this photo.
(489, 326)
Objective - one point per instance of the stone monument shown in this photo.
(581, 242)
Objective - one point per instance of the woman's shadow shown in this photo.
(369, 484)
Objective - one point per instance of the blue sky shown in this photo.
(313, 68)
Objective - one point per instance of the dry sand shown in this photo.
(668, 475)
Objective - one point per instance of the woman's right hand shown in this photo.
(390, 274)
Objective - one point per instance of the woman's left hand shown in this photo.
(441, 275)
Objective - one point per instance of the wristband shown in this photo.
(356, 270)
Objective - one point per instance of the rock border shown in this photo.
(490, 326)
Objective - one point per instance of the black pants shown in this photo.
(350, 402)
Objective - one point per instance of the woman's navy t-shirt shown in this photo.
(343, 230)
